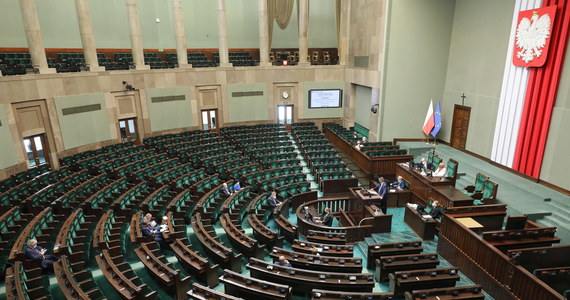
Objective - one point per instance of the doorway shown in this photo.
(36, 150)
(285, 115)
(128, 129)
(209, 119)
(460, 126)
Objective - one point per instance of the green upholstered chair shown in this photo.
(489, 192)
(476, 188)
(452, 166)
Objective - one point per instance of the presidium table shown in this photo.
(425, 188)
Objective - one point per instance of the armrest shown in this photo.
(469, 188)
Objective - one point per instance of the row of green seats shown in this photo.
(269, 173)
(173, 173)
(275, 156)
(69, 160)
(77, 233)
(368, 147)
(207, 183)
(317, 168)
(96, 160)
(309, 148)
(208, 205)
(382, 153)
(41, 228)
(320, 154)
(182, 204)
(154, 201)
(214, 160)
(325, 160)
(283, 163)
(272, 126)
(152, 170)
(31, 173)
(262, 139)
(183, 143)
(271, 150)
(159, 138)
(289, 190)
(316, 142)
(104, 197)
(239, 171)
(258, 135)
(223, 167)
(238, 201)
(273, 182)
(118, 162)
(186, 180)
(334, 175)
(140, 164)
(132, 197)
(82, 192)
(250, 147)
(190, 155)
(47, 195)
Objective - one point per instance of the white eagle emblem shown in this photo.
(532, 35)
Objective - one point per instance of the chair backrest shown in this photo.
(452, 166)
(436, 161)
(480, 182)
(516, 222)
(430, 157)
(489, 191)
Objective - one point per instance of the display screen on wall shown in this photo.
(325, 98)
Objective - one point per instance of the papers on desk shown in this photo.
(372, 192)
(392, 190)
(426, 217)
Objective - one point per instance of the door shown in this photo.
(460, 126)
(285, 115)
(128, 128)
(209, 119)
(36, 150)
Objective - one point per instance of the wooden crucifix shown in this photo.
(463, 99)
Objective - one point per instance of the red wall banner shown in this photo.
(540, 96)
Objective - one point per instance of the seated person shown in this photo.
(147, 218)
(435, 211)
(358, 145)
(424, 165)
(364, 140)
(154, 231)
(273, 202)
(327, 218)
(441, 170)
(237, 186)
(400, 184)
(164, 224)
(283, 262)
(355, 136)
(226, 190)
(315, 251)
(33, 251)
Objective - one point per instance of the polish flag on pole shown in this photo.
(429, 123)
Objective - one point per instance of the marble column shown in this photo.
(136, 40)
(344, 32)
(303, 30)
(263, 33)
(34, 37)
(87, 39)
(181, 51)
(223, 35)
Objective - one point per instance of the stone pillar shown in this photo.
(34, 37)
(87, 39)
(223, 35)
(263, 33)
(303, 30)
(135, 31)
(344, 32)
(181, 51)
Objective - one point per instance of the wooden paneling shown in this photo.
(460, 126)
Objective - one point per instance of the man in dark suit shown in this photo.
(400, 184)
(382, 190)
(327, 217)
(226, 190)
(154, 231)
(273, 202)
(435, 211)
(424, 165)
(33, 251)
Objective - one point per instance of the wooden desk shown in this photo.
(371, 165)
(449, 196)
(471, 224)
(424, 188)
(425, 229)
